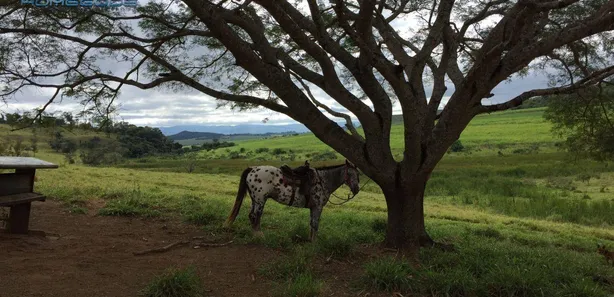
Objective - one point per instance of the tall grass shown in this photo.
(294, 274)
(492, 267)
(510, 192)
(175, 282)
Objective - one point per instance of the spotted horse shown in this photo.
(263, 182)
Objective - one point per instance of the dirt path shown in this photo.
(88, 255)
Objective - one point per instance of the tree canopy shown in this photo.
(586, 120)
(366, 55)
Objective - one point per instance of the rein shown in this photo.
(350, 196)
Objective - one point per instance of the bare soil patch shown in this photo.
(91, 255)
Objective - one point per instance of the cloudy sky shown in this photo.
(161, 108)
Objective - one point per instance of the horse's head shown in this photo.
(352, 177)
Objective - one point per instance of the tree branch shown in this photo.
(588, 81)
(348, 119)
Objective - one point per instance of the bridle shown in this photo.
(346, 180)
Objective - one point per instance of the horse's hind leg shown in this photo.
(315, 213)
(254, 216)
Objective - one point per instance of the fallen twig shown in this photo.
(184, 242)
(162, 249)
(329, 258)
(212, 244)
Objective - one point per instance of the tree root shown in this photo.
(180, 243)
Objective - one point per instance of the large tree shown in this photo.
(364, 54)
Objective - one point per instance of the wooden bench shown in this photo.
(17, 190)
(19, 215)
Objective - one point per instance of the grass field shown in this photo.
(506, 132)
(525, 218)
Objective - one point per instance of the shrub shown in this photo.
(387, 274)
(175, 283)
(288, 267)
(98, 152)
(262, 150)
(278, 151)
(323, 156)
(457, 146)
(585, 177)
(18, 147)
(304, 285)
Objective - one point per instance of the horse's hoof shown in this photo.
(259, 234)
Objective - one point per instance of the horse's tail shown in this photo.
(240, 195)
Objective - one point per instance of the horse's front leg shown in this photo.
(315, 221)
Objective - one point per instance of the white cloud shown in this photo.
(159, 108)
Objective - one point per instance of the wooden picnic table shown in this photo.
(17, 190)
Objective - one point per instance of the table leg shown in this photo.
(19, 219)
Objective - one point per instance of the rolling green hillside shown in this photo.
(506, 131)
(183, 135)
(44, 135)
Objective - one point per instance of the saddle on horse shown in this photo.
(301, 176)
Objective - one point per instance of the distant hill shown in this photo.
(188, 138)
(190, 135)
(242, 129)
(238, 129)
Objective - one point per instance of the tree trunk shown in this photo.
(405, 201)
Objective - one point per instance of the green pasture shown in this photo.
(506, 132)
(525, 218)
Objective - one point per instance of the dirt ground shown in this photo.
(89, 255)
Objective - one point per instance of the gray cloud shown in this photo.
(158, 107)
